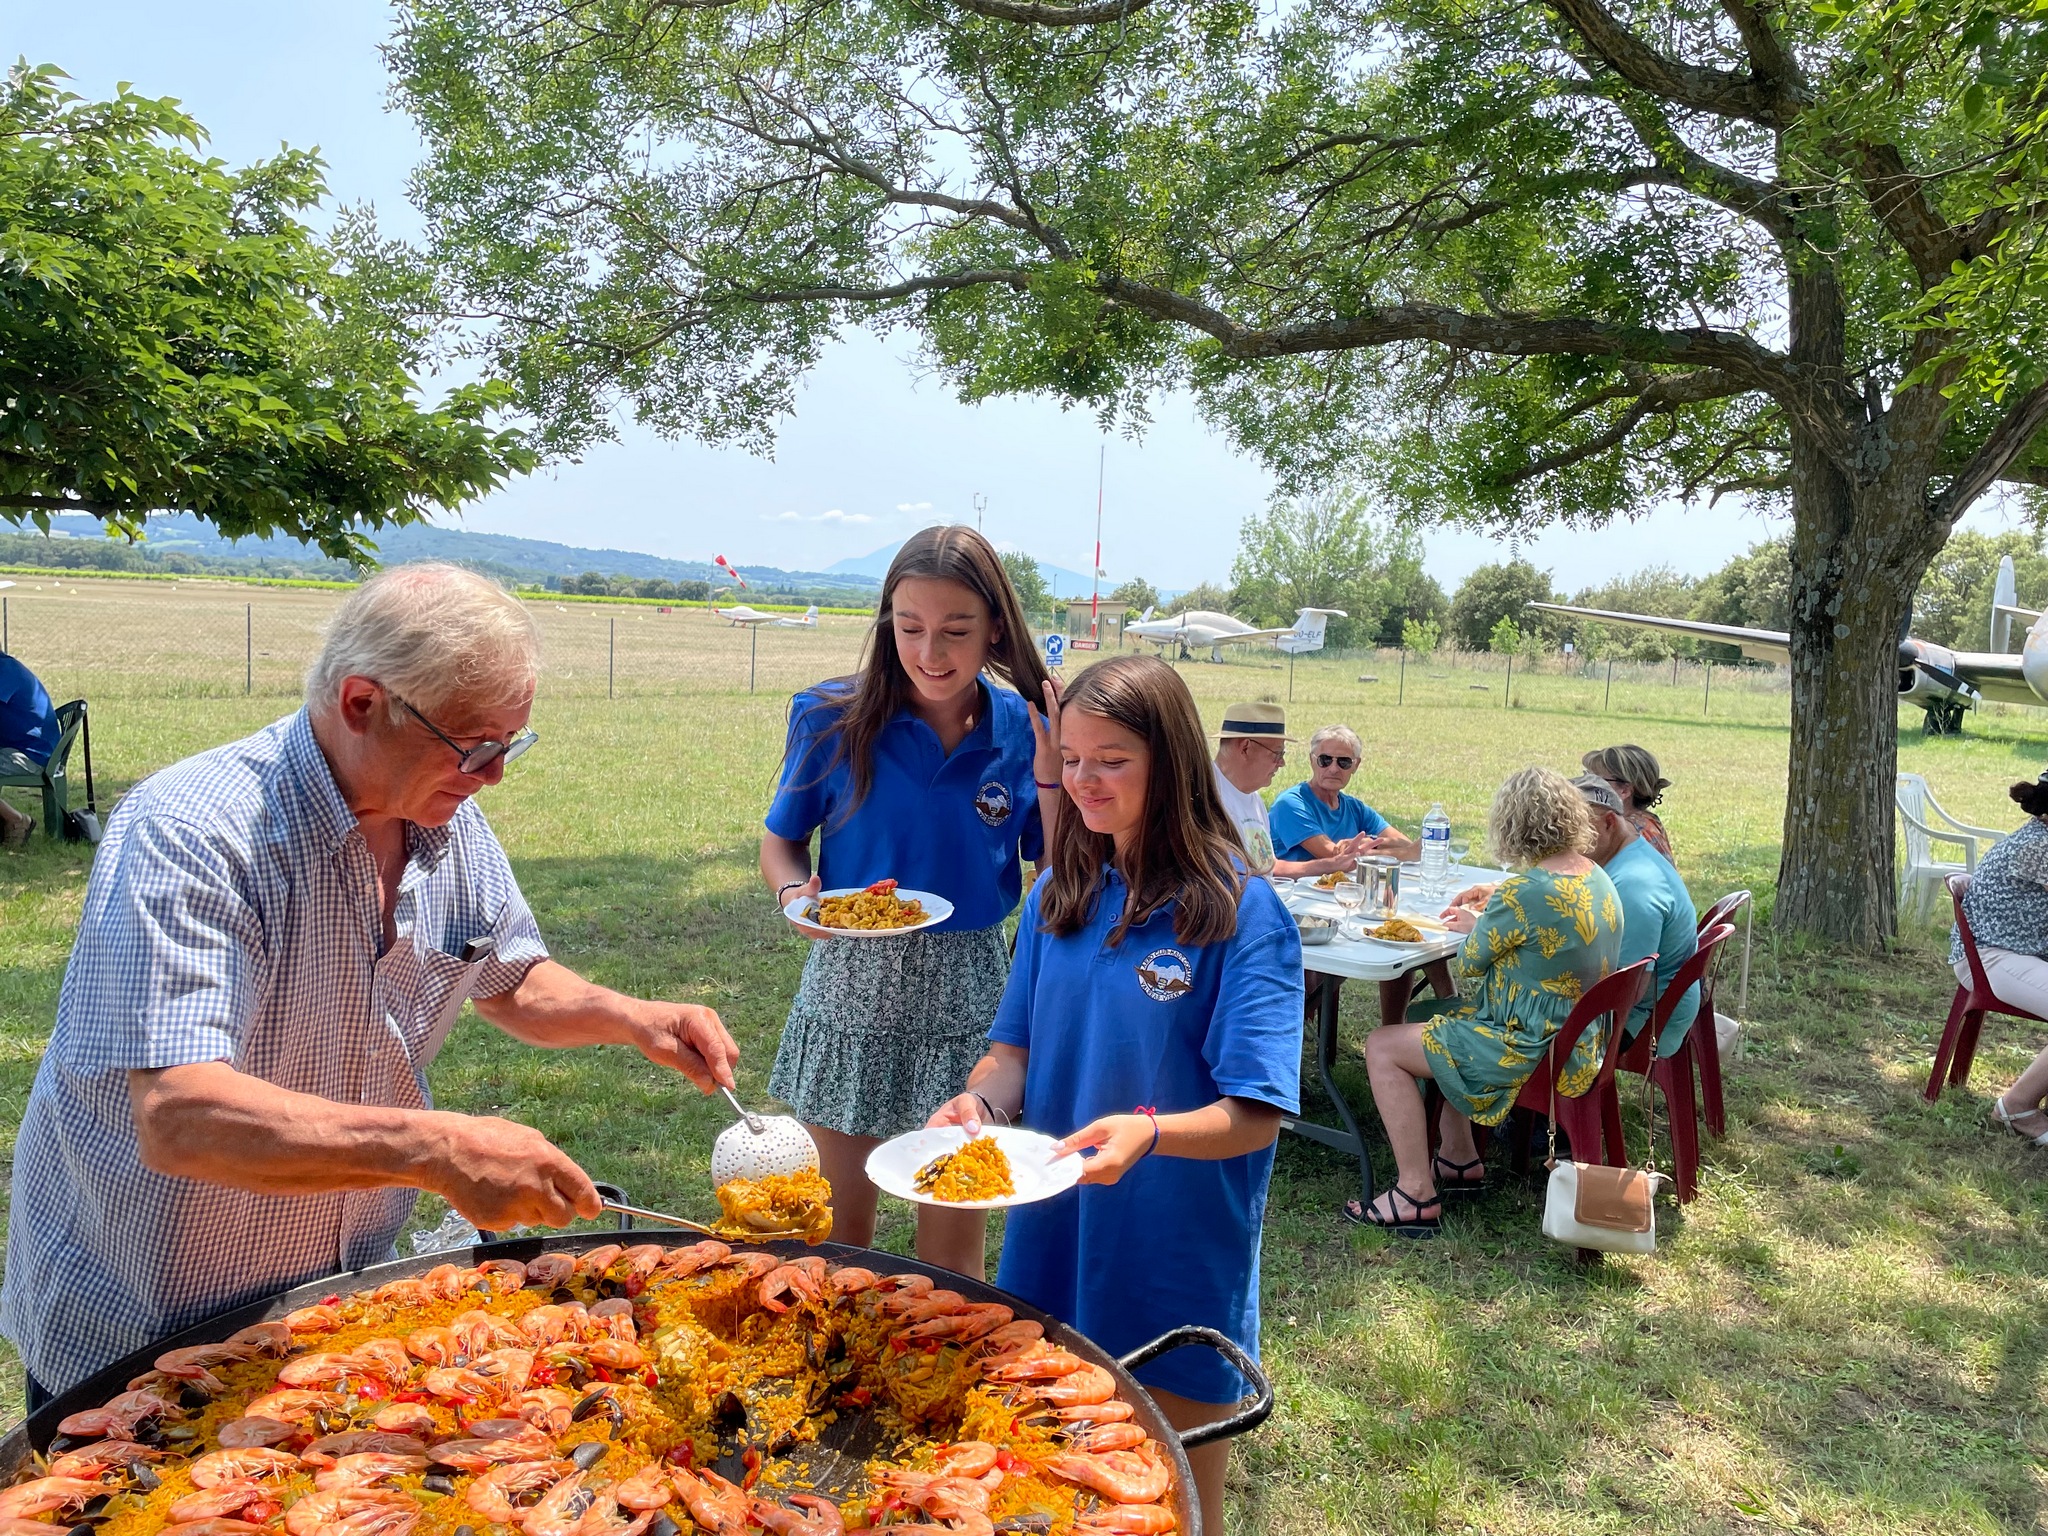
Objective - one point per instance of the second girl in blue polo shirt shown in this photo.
(916, 769)
(1153, 1015)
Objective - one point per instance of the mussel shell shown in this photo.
(728, 1412)
(438, 1482)
(662, 1526)
(588, 1454)
(144, 1478)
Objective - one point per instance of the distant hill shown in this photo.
(875, 565)
(532, 561)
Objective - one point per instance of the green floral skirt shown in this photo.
(1481, 1063)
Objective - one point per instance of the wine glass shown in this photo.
(1460, 850)
(1350, 895)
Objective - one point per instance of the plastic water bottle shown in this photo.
(1436, 852)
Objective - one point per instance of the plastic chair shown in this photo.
(51, 778)
(1966, 1014)
(1592, 1120)
(1707, 1050)
(1922, 872)
(1673, 1074)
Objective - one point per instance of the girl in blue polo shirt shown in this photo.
(1153, 1015)
(916, 769)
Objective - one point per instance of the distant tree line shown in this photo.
(596, 584)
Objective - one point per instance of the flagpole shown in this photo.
(1095, 581)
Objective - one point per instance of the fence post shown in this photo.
(1607, 704)
(1674, 669)
(1401, 692)
(611, 658)
(1290, 677)
(753, 651)
(1508, 687)
(1707, 698)
(3, 624)
(248, 648)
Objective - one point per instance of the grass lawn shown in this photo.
(1845, 1332)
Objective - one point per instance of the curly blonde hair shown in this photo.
(1536, 815)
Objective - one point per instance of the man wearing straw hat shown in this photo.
(1250, 749)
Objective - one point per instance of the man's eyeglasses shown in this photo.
(479, 757)
(1324, 760)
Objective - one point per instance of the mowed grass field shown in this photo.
(1844, 1333)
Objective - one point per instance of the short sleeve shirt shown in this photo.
(1247, 812)
(1172, 1026)
(954, 824)
(28, 723)
(2007, 902)
(1299, 815)
(1657, 918)
(233, 915)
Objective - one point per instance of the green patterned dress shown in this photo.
(1542, 940)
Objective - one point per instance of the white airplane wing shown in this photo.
(1996, 676)
(1756, 644)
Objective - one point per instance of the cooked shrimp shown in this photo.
(850, 1280)
(494, 1489)
(353, 1512)
(548, 1409)
(817, 1517)
(100, 1458)
(248, 1464)
(479, 1330)
(384, 1359)
(717, 1505)
(649, 1488)
(966, 1325)
(475, 1454)
(446, 1281)
(329, 1449)
(109, 1423)
(253, 1430)
(1129, 1477)
(616, 1316)
(560, 1508)
(364, 1469)
(1129, 1520)
(1107, 1437)
(916, 1306)
(752, 1266)
(218, 1527)
(603, 1518)
(295, 1405)
(684, 1262)
(616, 1355)
(455, 1384)
(550, 1270)
(503, 1275)
(405, 1418)
(506, 1369)
(314, 1319)
(1115, 1411)
(318, 1370)
(265, 1338)
(638, 1264)
(786, 1284)
(193, 1364)
(238, 1496)
(433, 1346)
(596, 1261)
(546, 1325)
(1091, 1384)
(43, 1494)
(964, 1458)
(1044, 1362)
(1008, 1339)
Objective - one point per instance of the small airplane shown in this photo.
(1190, 631)
(1942, 682)
(743, 614)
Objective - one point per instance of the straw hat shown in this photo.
(1254, 722)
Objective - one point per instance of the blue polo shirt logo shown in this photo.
(992, 802)
(1165, 975)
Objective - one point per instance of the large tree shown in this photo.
(173, 338)
(1554, 260)
(1323, 549)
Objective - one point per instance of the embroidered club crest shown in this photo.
(1165, 975)
(992, 802)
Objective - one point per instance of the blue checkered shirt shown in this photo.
(233, 916)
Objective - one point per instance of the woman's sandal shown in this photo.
(1416, 1226)
(1451, 1178)
(2009, 1120)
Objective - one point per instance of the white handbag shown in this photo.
(1591, 1205)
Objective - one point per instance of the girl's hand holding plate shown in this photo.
(1120, 1142)
(963, 1110)
(808, 891)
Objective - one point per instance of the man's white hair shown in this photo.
(431, 633)
(1341, 734)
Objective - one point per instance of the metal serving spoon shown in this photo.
(618, 1208)
(760, 1145)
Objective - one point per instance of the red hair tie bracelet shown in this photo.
(1150, 1112)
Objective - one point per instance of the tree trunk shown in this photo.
(1857, 556)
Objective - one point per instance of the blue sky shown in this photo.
(872, 452)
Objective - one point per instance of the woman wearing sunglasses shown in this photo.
(1317, 820)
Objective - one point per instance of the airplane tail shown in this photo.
(811, 614)
(1310, 624)
(2005, 607)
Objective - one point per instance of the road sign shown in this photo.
(1055, 650)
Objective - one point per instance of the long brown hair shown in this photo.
(1186, 850)
(872, 696)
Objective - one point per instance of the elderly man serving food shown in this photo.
(277, 936)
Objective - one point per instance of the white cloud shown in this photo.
(833, 515)
(913, 506)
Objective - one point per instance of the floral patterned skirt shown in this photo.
(884, 1031)
(1481, 1063)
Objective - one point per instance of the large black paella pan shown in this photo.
(834, 1464)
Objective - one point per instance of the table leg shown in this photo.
(1326, 1057)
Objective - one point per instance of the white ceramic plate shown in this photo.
(936, 910)
(1033, 1170)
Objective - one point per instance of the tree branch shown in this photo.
(2007, 441)
(1717, 91)
(32, 503)
(1662, 397)
(1900, 203)
(937, 282)
(1769, 59)
(1033, 14)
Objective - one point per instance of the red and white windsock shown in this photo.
(726, 566)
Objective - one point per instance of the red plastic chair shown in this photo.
(1707, 1044)
(1966, 1014)
(1673, 1074)
(1592, 1119)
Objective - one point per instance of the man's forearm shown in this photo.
(209, 1122)
(553, 1006)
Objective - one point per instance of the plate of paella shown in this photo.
(942, 1165)
(883, 910)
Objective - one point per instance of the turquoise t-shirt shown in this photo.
(1298, 815)
(1657, 919)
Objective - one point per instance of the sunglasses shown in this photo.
(479, 757)
(1324, 760)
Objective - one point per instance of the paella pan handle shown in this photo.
(610, 1192)
(1250, 1416)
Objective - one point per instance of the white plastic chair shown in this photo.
(1923, 874)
